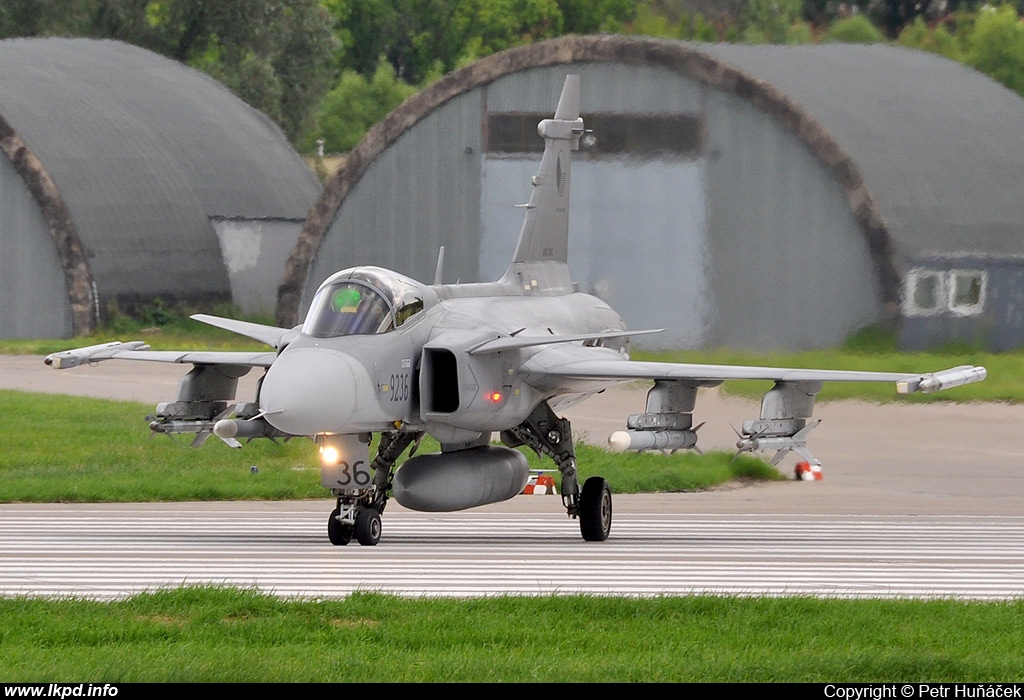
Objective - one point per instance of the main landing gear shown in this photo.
(595, 509)
(358, 511)
(547, 434)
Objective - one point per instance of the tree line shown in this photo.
(329, 69)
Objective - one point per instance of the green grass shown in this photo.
(221, 635)
(56, 448)
(63, 448)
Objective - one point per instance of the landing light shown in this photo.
(330, 454)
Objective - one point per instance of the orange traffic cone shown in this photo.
(808, 472)
(539, 485)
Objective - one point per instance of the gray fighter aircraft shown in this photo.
(382, 353)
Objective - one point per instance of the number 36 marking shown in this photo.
(355, 476)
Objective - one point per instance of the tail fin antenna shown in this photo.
(439, 269)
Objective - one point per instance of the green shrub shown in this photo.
(935, 40)
(853, 30)
(997, 46)
(354, 105)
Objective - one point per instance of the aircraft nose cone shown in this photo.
(310, 390)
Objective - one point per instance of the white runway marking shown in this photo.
(102, 552)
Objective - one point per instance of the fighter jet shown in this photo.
(382, 354)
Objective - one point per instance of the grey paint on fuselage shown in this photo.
(316, 392)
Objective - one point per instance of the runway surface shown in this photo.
(917, 500)
(108, 552)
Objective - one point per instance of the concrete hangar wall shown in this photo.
(763, 197)
(126, 177)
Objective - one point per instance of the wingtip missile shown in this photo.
(946, 379)
(91, 353)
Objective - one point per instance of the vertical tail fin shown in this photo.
(544, 237)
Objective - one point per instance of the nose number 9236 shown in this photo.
(400, 387)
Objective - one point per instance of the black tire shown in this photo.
(338, 533)
(595, 510)
(368, 527)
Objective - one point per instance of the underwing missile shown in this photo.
(171, 427)
(765, 444)
(639, 440)
(235, 428)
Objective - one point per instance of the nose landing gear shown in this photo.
(347, 520)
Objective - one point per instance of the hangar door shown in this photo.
(637, 219)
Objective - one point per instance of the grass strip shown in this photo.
(226, 635)
(56, 448)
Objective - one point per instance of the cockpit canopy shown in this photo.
(363, 301)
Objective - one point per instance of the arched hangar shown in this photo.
(126, 177)
(769, 197)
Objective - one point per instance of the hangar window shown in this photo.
(967, 291)
(930, 292)
(924, 293)
(646, 135)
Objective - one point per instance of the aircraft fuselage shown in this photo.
(423, 376)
